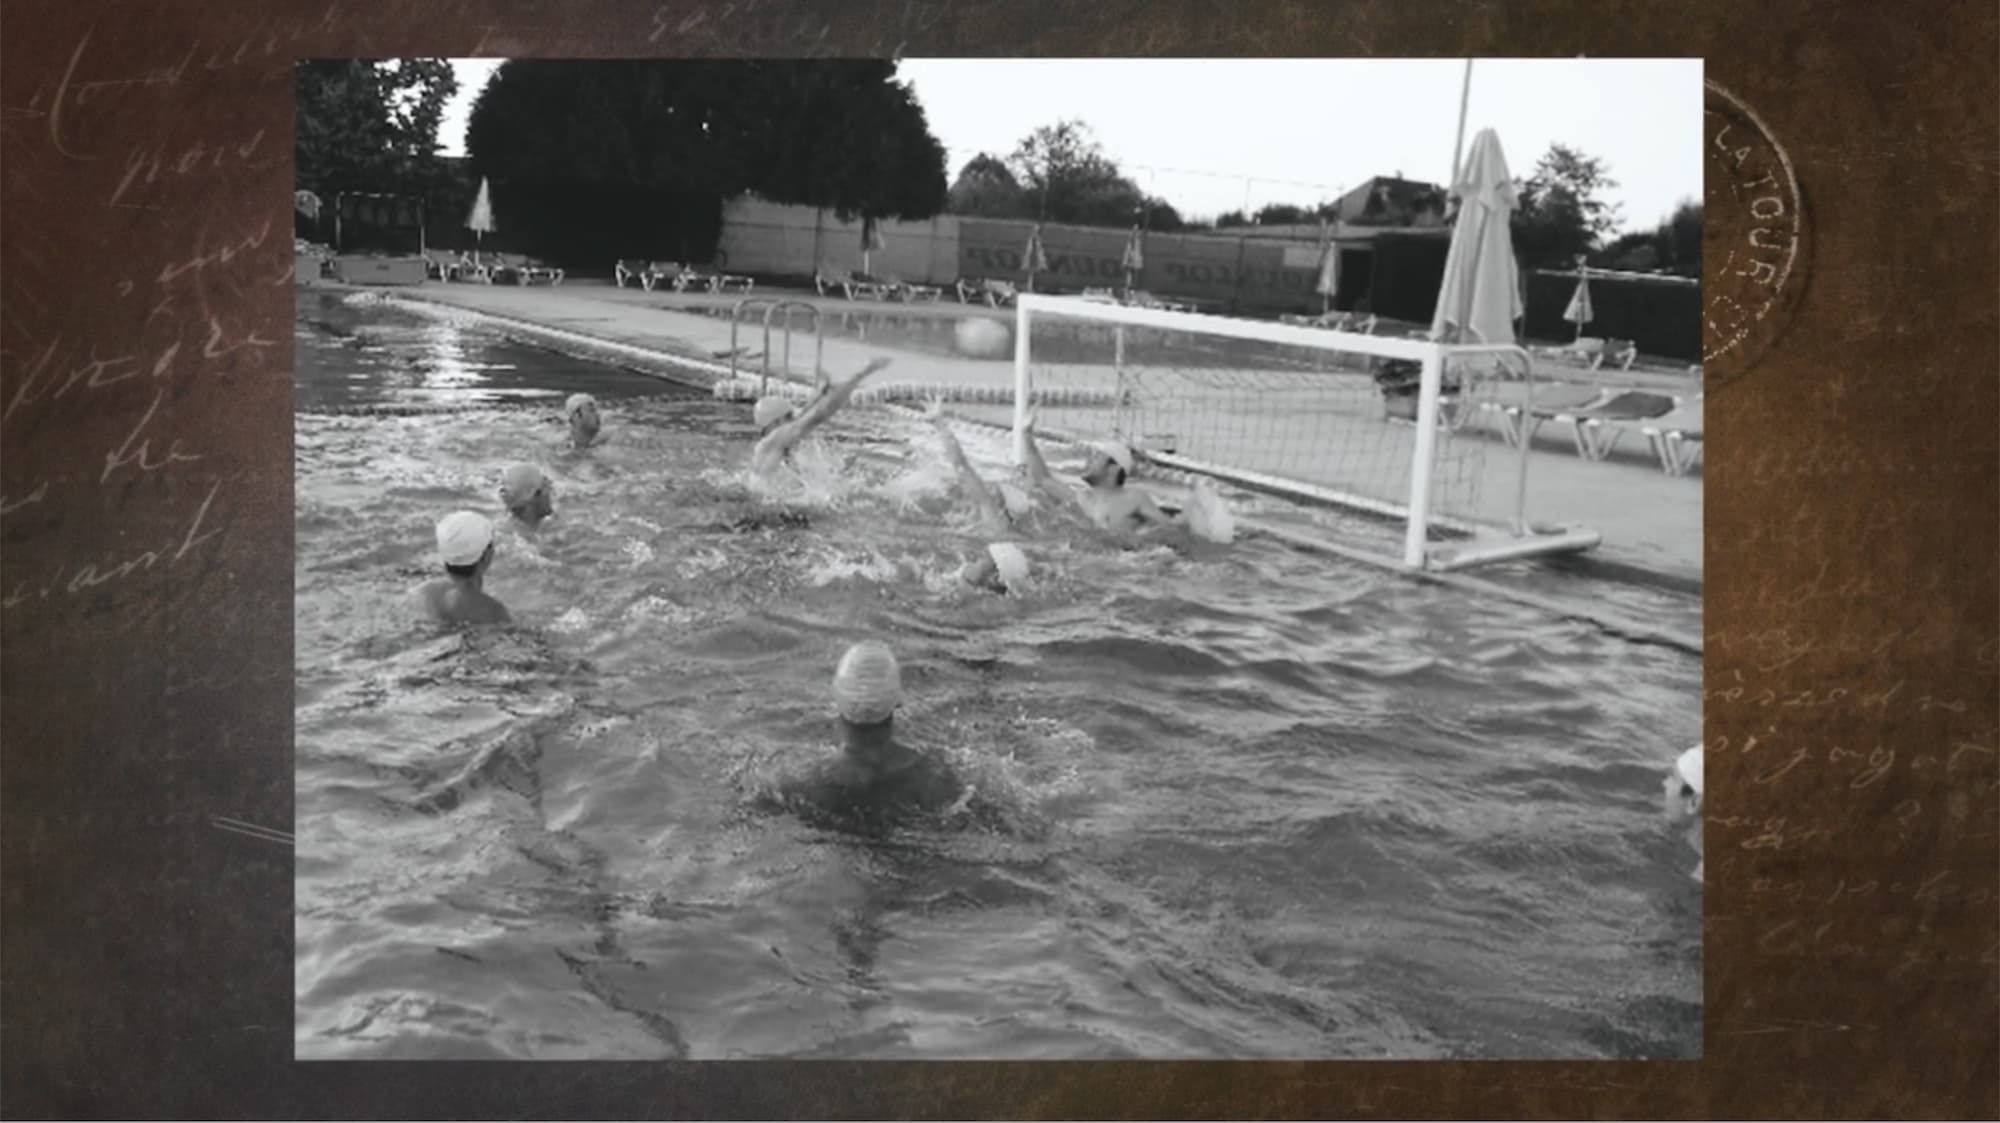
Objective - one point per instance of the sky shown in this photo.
(1216, 135)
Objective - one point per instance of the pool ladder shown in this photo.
(772, 306)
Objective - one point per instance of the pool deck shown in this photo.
(1650, 523)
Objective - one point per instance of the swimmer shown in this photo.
(1003, 568)
(873, 774)
(1124, 511)
(581, 412)
(781, 426)
(528, 496)
(465, 544)
(1683, 790)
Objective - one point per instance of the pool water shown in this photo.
(1253, 803)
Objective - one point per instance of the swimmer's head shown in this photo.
(1002, 568)
(581, 412)
(1016, 500)
(465, 543)
(1109, 465)
(771, 412)
(1684, 783)
(527, 493)
(867, 685)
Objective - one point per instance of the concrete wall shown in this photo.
(1252, 275)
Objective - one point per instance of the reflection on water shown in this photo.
(1254, 804)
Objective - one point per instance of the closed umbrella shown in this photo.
(1579, 311)
(1135, 257)
(1033, 258)
(871, 240)
(1481, 297)
(1329, 268)
(480, 221)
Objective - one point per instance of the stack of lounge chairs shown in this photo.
(521, 270)
(1595, 353)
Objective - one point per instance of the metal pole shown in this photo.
(1458, 145)
(1416, 534)
(1021, 386)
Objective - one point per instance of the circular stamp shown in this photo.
(1755, 217)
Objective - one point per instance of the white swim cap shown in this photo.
(1016, 500)
(521, 482)
(578, 402)
(868, 684)
(1689, 766)
(1119, 452)
(1011, 563)
(769, 411)
(463, 537)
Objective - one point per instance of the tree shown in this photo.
(986, 187)
(1562, 213)
(1066, 174)
(370, 126)
(604, 159)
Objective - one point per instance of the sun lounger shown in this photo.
(1333, 321)
(1515, 414)
(1597, 427)
(853, 286)
(1623, 352)
(645, 273)
(912, 293)
(1677, 437)
(524, 270)
(439, 267)
(470, 268)
(711, 279)
(992, 292)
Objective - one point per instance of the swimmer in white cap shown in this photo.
(1002, 568)
(1123, 511)
(874, 772)
(781, 426)
(528, 495)
(465, 545)
(1683, 788)
(581, 412)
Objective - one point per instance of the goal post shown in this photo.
(1399, 431)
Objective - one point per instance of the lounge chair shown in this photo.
(1333, 321)
(644, 272)
(710, 279)
(853, 286)
(1624, 352)
(438, 267)
(911, 292)
(1677, 437)
(1141, 299)
(1515, 413)
(1598, 426)
(524, 270)
(992, 292)
(470, 268)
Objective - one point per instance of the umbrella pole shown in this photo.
(1464, 100)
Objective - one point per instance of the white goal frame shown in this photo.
(1416, 516)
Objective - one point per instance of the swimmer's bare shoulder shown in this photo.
(447, 602)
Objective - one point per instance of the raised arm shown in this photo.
(816, 414)
(1045, 480)
(991, 510)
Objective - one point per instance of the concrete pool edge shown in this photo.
(705, 374)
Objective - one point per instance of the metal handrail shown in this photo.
(771, 306)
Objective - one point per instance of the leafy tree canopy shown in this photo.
(366, 125)
(842, 134)
(1562, 212)
(1059, 173)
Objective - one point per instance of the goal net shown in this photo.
(1403, 432)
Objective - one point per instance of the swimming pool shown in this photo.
(1255, 804)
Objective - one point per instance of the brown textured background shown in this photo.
(1851, 519)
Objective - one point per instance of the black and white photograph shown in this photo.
(999, 559)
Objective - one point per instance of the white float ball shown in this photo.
(982, 338)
